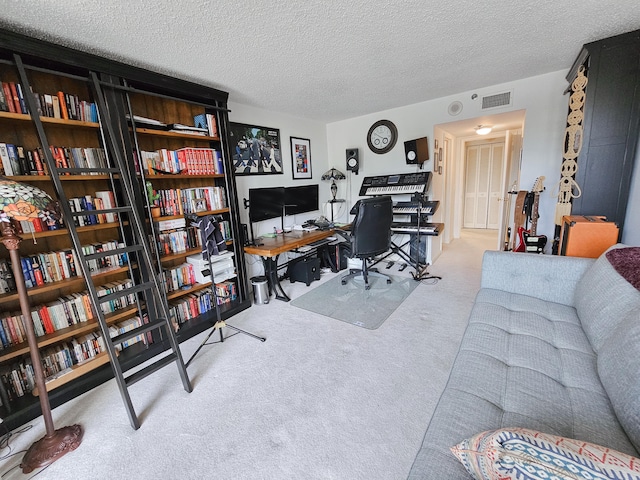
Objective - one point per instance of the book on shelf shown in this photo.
(187, 129)
(55, 101)
(65, 106)
(21, 99)
(186, 160)
(3, 101)
(7, 280)
(22, 160)
(208, 121)
(62, 103)
(6, 161)
(6, 89)
(108, 201)
(146, 122)
(16, 98)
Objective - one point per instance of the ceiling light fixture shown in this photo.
(483, 129)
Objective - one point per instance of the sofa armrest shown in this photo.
(548, 277)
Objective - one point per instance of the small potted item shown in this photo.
(152, 196)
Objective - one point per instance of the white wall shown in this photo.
(289, 127)
(542, 98)
(543, 135)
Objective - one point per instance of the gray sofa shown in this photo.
(552, 344)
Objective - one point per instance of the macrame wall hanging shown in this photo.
(568, 188)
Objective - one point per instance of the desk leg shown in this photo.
(271, 272)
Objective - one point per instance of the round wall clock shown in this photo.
(382, 136)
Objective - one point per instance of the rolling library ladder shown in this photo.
(145, 287)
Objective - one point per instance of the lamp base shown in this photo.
(51, 447)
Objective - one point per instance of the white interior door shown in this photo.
(495, 186)
(483, 185)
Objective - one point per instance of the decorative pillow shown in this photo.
(522, 454)
(626, 261)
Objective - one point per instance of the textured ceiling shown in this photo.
(331, 60)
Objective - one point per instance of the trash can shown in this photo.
(260, 289)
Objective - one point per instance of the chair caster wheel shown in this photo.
(344, 282)
(388, 281)
(367, 287)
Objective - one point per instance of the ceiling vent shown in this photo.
(497, 100)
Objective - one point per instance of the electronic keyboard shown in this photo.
(403, 183)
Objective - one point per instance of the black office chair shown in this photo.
(370, 235)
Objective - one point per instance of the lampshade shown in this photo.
(22, 201)
(483, 129)
(333, 174)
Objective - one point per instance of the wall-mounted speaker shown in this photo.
(416, 151)
(353, 163)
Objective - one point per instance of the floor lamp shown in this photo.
(24, 202)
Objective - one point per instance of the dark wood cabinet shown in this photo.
(611, 125)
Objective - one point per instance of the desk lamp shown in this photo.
(333, 175)
(25, 202)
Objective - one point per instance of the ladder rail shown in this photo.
(129, 192)
(127, 183)
(75, 239)
(152, 310)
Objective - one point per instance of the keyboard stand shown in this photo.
(421, 272)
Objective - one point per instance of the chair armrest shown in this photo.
(344, 234)
(548, 277)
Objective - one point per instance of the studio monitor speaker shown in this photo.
(353, 163)
(416, 151)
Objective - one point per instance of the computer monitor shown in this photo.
(301, 199)
(265, 203)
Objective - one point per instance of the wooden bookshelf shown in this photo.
(76, 371)
(65, 334)
(51, 68)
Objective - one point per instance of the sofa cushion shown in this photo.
(619, 370)
(603, 298)
(522, 454)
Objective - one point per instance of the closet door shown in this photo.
(483, 185)
(495, 185)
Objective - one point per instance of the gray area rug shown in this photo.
(353, 304)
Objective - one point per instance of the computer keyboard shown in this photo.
(318, 243)
(310, 246)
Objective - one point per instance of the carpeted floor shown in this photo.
(319, 399)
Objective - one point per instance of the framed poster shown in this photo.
(300, 158)
(255, 149)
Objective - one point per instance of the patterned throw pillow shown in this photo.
(522, 454)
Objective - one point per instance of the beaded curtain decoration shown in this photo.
(568, 188)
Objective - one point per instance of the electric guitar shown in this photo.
(528, 241)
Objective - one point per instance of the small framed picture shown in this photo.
(300, 158)
(199, 204)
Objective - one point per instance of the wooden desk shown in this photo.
(269, 249)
